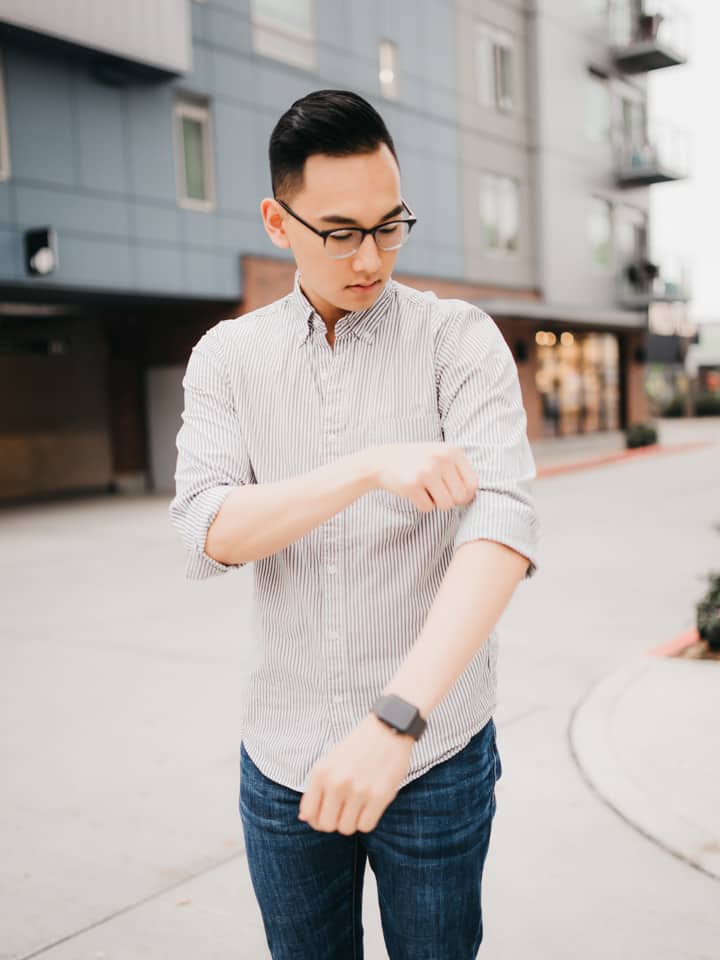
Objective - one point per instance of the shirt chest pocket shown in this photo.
(420, 428)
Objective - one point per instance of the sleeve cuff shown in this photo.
(195, 525)
(491, 517)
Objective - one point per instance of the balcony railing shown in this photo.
(642, 282)
(659, 155)
(647, 36)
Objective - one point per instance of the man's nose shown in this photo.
(367, 257)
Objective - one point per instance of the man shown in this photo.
(365, 444)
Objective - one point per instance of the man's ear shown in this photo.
(273, 221)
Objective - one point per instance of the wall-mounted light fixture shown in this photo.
(521, 351)
(41, 251)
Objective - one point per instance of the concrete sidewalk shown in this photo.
(645, 739)
(557, 451)
(123, 687)
(642, 736)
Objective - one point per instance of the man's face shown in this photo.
(362, 190)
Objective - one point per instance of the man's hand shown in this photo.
(351, 785)
(432, 474)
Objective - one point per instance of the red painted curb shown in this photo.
(655, 448)
(677, 645)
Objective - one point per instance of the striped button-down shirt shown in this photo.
(338, 610)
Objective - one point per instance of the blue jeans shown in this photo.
(427, 852)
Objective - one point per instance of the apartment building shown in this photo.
(133, 159)
(596, 150)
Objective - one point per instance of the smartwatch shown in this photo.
(399, 714)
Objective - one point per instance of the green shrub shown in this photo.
(640, 435)
(708, 613)
(707, 405)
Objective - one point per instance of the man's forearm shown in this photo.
(260, 519)
(475, 590)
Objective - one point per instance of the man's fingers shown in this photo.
(467, 471)
(309, 801)
(348, 819)
(441, 494)
(328, 812)
(456, 484)
(423, 500)
(370, 815)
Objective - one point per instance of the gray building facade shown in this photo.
(133, 159)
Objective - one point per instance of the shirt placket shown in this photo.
(330, 361)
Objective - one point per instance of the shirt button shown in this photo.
(334, 635)
(331, 568)
(337, 698)
(332, 437)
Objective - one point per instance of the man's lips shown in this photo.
(363, 286)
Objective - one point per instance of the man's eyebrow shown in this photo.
(338, 218)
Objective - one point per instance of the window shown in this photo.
(193, 150)
(499, 212)
(600, 231)
(388, 62)
(631, 234)
(4, 145)
(494, 68)
(634, 121)
(284, 30)
(597, 125)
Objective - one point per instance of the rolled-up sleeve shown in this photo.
(212, 459)
(482, 411)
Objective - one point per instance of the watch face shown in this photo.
(400, 713)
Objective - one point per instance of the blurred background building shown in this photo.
(133, 159)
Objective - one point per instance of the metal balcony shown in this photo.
(647, 35)
(643, 282)
(659, 155)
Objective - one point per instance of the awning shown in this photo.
(564, 313)
(152, 34)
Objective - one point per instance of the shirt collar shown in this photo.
(359, 323)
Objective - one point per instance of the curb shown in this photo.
(650, 450)
(591, 749)
(677, 645)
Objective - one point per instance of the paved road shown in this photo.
(122, 689)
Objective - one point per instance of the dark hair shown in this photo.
(336, 122)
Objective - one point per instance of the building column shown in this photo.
(633, 364)
(520, 337)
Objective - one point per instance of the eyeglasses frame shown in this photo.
(412, 220)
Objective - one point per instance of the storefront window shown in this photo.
(578, 379)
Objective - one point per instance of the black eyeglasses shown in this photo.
(345, 241)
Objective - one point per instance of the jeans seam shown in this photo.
(495, 753)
